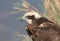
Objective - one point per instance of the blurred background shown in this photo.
(11, 12)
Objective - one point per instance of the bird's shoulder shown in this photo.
(49, 25)
(46, 24)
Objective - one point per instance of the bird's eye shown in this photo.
(30, 17)
(27, 16)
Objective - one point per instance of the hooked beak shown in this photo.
(23, 18)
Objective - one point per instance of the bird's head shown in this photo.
(30, 16)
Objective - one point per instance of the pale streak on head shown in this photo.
(36, 15)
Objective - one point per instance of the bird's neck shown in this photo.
(35, 22)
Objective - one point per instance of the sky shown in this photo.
(8, 23)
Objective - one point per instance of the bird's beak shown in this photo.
(23, 18)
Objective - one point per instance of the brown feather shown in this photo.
(47, 32)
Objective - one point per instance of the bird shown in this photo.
(40, 28)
